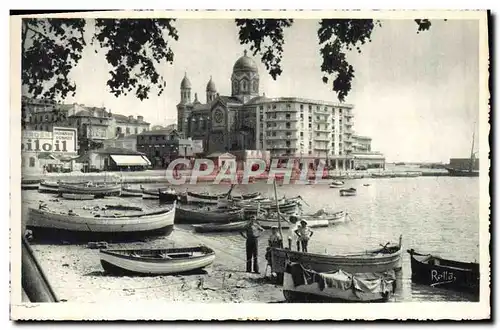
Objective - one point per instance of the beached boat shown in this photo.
(372, 261)
(91, 188)
(168, 196)
(128, 191)
(220, 227)
(70, 225)
(48, 187)
(366, 184)
(156, 261)
(303, 284)
(348, 192)
(336, 184)
(78, 197)
(213, 198)
(28, 184)
(150, 194)
(311, 223)
(291, 205)
(206, 215)
(443, 273)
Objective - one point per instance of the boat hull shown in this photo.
(268, 224)
(451, 275)
(462, 173)
(78, 197)
(167, 197)
(383, 286)
(46, 187)
(369, 262)
(48, 225)
(150, 194)
(188, 216)
(122, 264)
(217, 228)
(110, 190)
(347, 193)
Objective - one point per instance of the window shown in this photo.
(310, 152)
(127, 130)
(274, 134)
(317, 127)
(301, 116)
(287, 116)
(310, 107)
(261, 107)
(268, 125)
(310, 125)
(301, 134)
(136, 130)
(317, 134)
(288, 144)
(287, 125)
(301, 107)
(32, 161)
(274, 106)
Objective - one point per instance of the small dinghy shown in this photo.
(337, 184)
(220, 227)
(437, 272)
(366, 184)
(156, 261)
(348, 192)
(78, 197)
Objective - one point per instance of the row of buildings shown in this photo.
(244, 125)
(287, 127)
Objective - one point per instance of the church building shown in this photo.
(284, 126)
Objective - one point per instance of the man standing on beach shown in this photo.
(294, 225)
(252, 233)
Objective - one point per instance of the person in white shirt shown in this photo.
(292, 236)
(304, 233)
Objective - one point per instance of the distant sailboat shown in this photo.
(470, 172)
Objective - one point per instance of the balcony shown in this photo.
(321, 148)
(283, 129)
(282, 119)
(321, 138)
(323, 130)
(349, 123)
(348, 114)
(281, 137)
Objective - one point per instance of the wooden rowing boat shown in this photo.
(314, 223)
(203, 198)
(336, 184)
(128, 191)
(28, 184)
(168, 196)
(220, 227)
(434, 271)
(205, 215)
(69, 225)
(348, 192)
(156, 261)
(96, 189)
(374, 261)
(78, 197)
(301, 284)
(49, 187)
(150, 194)
(35, 284)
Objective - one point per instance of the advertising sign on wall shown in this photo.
(61, 139)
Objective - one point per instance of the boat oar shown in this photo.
(302, 199)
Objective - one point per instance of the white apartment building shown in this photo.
(305, 128)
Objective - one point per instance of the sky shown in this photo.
(416, 95)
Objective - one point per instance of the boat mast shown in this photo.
(472, 153)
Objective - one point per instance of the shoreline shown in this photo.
(154, 176)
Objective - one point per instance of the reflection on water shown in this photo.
(438, 215)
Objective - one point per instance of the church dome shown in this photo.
(245, 63)
(211, 86)
(185, 83)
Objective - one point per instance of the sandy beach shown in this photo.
(76, 275)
